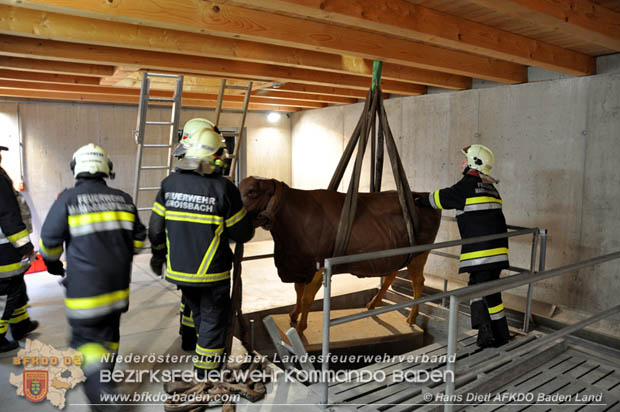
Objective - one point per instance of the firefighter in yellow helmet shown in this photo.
(15, 252)
(196, 213)
(101, 230)
(478, 213)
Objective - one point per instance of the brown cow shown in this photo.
(303, 224)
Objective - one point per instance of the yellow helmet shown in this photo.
(190, 129)
(203, 152)
(480, 158)
(91, 160)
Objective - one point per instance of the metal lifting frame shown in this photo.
(456, 296)
(173, 124)
(239, 133)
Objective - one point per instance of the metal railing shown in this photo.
(456, 296)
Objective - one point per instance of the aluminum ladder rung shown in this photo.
(161, 99)
(174, 76)
(153, 167)
(231, 110)
(142, 209)
(149, 188)
(157, 145)
(159, 123)
(237, 87)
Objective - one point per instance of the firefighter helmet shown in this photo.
(190, 129)
(480, 158)
(91, 160)
(203, 152)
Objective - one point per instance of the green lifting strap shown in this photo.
(376, 73)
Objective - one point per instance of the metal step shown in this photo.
(236, 87)
(157, 145)
(173, 76)
(149, 188)
(161, 99)
(153, 123)
(153, 167)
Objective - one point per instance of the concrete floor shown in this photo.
(151, 326)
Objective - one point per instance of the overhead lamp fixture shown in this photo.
(273, 117)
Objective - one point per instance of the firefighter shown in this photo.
(195, 214)
(101, 230)
(478, 213)
(16, 251)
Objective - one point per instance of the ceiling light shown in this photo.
(273, 117)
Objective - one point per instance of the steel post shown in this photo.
(528, 305)
(453, 326)
(327, 282)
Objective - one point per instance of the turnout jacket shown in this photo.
(193, 218)
(101, 230)
(478, 213)
(14, 236)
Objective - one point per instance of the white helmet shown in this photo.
(204, 151)
(190, 129)
(479, 158)
(91, 160)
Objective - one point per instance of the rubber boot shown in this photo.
(21, 329)
(500, 331)
(485, 336)
(97, 393)
(7, 345)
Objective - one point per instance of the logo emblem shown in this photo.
(35, 385)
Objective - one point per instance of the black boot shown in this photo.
(500, 331)
(23, 328)
(7, 345)
(485, 336)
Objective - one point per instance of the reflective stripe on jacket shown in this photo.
(193, 219)
(14, 236)
(478, 213)
(100, 228)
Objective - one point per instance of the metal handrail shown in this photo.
(487, 288)
(525, 278)
(329, 263)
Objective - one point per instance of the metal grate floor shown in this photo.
(555, 377)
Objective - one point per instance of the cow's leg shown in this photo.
(310, 291)
(384, 287)
(416, 274)
(299, 289)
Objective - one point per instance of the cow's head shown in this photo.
(256, 194)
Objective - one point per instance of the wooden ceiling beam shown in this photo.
(34, 65)
(124, 91)
(62, 27)
(583, 19)
(209, 17)
(47, 77)
(314, 89)
(413, 22)
(76, 52)
(276, 94)
(119, 99)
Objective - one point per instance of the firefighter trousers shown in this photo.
(211, 309)
(13, 305)
(98, 342)
(489, 310)
(187, 330)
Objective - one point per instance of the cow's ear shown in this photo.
(270, 186)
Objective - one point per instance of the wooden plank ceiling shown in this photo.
(300, 54)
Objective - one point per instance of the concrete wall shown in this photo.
(556, 143)
(53, 131)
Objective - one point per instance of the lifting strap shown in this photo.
(373, 109)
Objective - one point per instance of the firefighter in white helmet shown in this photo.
(195, 214)
(187, 328)
(15, 252)
(478, 213)
(101, 230)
